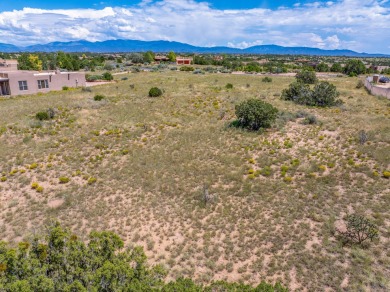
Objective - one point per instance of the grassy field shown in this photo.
(138, 165)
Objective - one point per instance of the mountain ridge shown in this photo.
(127, 46)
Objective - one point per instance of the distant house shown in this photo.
(159, 59)
(184, 60)
(20, 82)
(379, 68)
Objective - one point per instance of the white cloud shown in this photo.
(352, 24)
(244, 45)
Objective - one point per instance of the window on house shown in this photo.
(23, 85)
(43, 84)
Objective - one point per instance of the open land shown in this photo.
(137, 166)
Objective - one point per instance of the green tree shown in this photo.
(172, 56)
(306, 77)
(149, 57)
(336, 67)
(29, 62)
(354, 67)
(254, 114)
(325, 94)
(322, 67)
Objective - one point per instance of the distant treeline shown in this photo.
(248, 63)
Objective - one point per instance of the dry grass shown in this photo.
(137, 165)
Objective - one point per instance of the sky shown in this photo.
(359, 25)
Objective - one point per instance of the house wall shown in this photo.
(56, 80)
(375, 90)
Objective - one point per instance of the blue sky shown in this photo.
(218, 4)
(360, 25)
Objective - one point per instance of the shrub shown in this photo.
(92, 78)
(325, 94)
(354, 67)
(64, 180)
(310, 120)
(155, 92)
(307, 77)
(266, 79)
(360, 84)
(297, 92)
(107, 76)
(92, 180)
(42, 116)
(98, 97)
(51, 112)
(187, 68)
(65, 88)
(386, 174)
(86, 89)
(254, 114)
(359, 229)
(229, 86)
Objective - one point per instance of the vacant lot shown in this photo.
(138, 165)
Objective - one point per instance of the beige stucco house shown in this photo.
(18, 82)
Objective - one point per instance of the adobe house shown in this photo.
(184, 60)
(20, 82)
(159, 59)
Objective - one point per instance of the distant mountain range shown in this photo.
(125, 46)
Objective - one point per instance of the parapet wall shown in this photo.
(375, 90)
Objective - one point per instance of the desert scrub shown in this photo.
(386, 174)
(266, 79)
(42, 116)
(155, 92)
(34, 185)
(99, 97)
(33, 166)
(3, 179)
(254, 114)
(92, 180)
(229, 86)
(64, 180)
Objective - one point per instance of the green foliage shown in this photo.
(187, 68)
(149, 57)
(322, 67)
(29, 62)
(155, 92)
(42, 116)
(336, 67)
(64, 180)
(229, 86)
(254, 114)
(354, 67)
(99, 97)
(65, 88)
(172, 56)
(306, 77)
(60, 261)
(266, 79)
(323, 94)
(358, 230)
(107, 76)
(297, 92)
